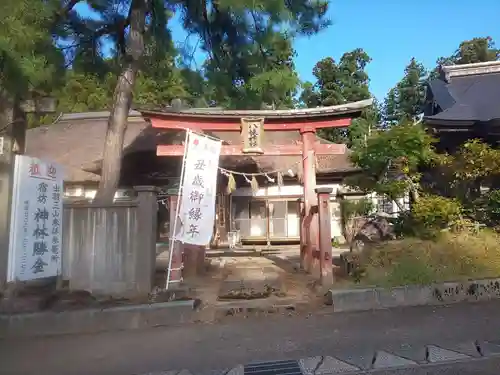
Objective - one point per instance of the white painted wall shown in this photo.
(336, 219)
(296, 191)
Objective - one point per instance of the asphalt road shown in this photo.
(211, 348)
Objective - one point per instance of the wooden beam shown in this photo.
(277, 150)
(232, 125)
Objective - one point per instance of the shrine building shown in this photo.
(463, 104)
(263, 211)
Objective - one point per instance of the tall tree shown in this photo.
(471, 51)
(263, 75)
(30, 65)
(90, 87)
(390, 115)
(83, 92)
(197, 87)
(309, 97)
(404, 102)
(338, 83)
(227, 29)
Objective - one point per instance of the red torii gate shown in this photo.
(306, 121)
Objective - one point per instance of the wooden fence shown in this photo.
(111, 249)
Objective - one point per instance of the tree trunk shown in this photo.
(13, 133)
(122, 101)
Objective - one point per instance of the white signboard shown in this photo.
(199, 189)
(36, 220)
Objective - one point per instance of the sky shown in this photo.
(394, 31)
(391, 32)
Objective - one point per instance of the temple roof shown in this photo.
(76, 141)
(218, 113)
(466, 94)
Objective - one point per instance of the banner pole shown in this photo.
(177, 209)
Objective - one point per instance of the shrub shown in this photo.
(355, 207)
(335, 242)
(450, 257)
(354, 213)
(487, 208)
(433, 213)
(404, 225)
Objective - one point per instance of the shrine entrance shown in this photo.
(266, 220)
(272, 137)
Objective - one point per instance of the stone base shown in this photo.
(413, 295)
(96, 320)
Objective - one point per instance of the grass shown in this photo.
(451, 257)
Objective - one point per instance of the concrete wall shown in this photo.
(111, 249)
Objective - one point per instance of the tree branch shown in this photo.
(64, 11)
(117, 27)
(258, 30)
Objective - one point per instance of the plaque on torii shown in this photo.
(252, 133)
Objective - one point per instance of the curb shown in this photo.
(96, 320)
(258, 307)
(413, 295)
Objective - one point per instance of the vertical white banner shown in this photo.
(36, 220)
(199, 189)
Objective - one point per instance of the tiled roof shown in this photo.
(470, 96)
(355, 107)
(77, 142)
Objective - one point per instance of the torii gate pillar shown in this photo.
(325, 244)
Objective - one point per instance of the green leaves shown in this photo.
(249, 43)
(404, 146)
(468, 52)
(405, 101)
(85, 92)
(391, 163)
(435, 213)
(261, 73)
(29, 62)
(341, 83)
(344, 82)
(250, 47)
(475, 160)
(351, 208)
(390, 160)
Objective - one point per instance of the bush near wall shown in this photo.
(429, 216)
(449, 257)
